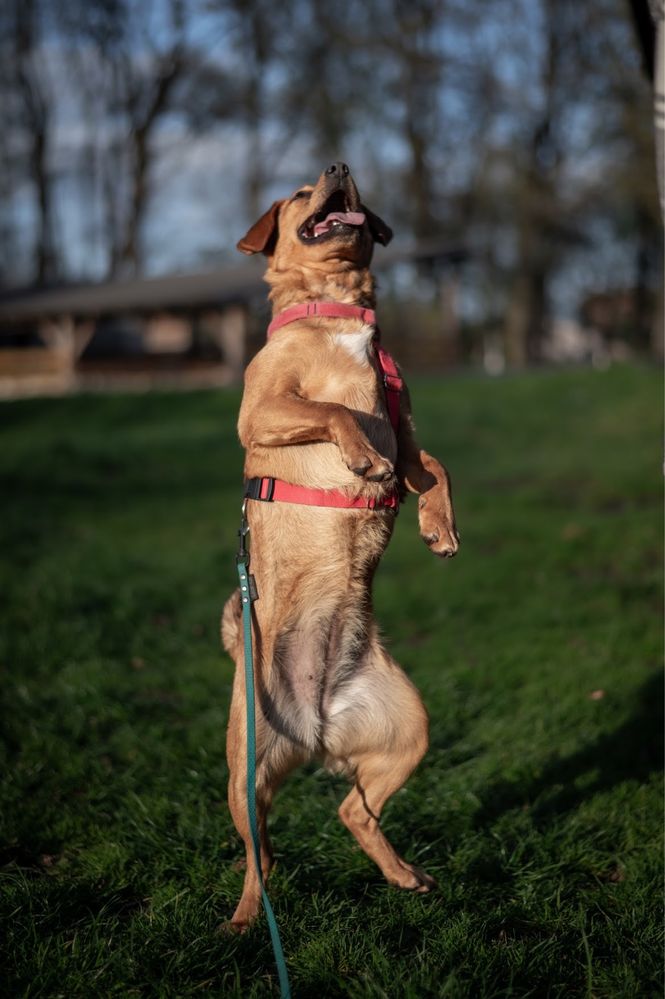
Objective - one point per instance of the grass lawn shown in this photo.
(538, 652)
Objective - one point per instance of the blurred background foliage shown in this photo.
(144, 136)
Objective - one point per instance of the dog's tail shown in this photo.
(231, 618)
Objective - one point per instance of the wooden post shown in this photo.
(228, 328)
(67, 338)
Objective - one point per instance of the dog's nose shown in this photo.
(341, 169)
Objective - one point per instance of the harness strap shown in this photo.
(276, 490)
(392, 383)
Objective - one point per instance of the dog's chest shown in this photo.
(356, 344)
(348, 374)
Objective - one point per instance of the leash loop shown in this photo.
(248, 594)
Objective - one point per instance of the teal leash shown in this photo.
(248, 595)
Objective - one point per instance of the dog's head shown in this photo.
(318, 224)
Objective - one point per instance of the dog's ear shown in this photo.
(263, 234)
(381, 233)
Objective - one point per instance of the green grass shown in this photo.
(538, 808)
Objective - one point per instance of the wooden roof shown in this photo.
(222, 286)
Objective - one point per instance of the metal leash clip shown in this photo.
(242, 558)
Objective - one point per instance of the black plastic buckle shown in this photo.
(254, 488)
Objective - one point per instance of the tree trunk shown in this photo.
(132, 256)
(141, 133)
(44, 257)
(37, 117)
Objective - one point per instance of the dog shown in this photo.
(328, 453)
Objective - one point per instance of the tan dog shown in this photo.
(314, 413)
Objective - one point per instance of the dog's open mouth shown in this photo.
(332, 219)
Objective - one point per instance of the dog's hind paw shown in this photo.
(412, 878)
(240, 922)
(230, 928)
(426, 883)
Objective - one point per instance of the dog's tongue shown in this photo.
(349, 218)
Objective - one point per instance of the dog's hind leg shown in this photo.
(231, 624)
(377, 778)
(379, 730)
(276, 755)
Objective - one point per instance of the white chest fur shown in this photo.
(357, 343)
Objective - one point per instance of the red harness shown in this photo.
(271, 490)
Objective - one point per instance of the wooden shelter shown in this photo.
(185, 329)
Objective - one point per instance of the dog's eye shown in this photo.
(301, 194)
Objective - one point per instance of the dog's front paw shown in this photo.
(369, 464)
(437, 529)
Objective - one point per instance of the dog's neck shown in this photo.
(353, 287)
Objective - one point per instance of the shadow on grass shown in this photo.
(632, 752)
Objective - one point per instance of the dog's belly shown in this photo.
(312, 662)
(313, 569)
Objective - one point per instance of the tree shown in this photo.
(28, 122)
(143, 56)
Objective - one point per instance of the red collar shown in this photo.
(331, 310)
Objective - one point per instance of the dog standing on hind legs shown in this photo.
(326, 425)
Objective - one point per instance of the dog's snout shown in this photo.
(339, 169)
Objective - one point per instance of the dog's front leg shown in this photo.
(418, 472)
(280, 419)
